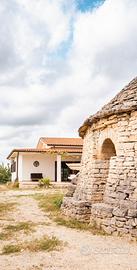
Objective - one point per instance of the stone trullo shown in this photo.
(106, 192)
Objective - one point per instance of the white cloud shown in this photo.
(59, 65)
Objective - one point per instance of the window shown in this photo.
(36, 176)
(36, 163)
(13, 167)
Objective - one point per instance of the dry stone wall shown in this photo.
(107, 189)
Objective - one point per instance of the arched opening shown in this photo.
(102, 169)
(108, 149)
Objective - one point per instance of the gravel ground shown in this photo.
(83, 251)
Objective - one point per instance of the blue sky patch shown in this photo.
(85, 5)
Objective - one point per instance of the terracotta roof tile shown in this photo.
(60, 142)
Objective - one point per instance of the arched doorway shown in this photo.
(108, 149)
(102, 169)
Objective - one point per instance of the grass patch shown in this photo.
(75, 224)
(44, 244)
(8, 231)
(5, 235)
(6, 207)
(71, 223)
(8, 249)
(50, 203)
(26, 227)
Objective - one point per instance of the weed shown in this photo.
(26, 227)
(45, 182)
(8, 249)
(46, 243)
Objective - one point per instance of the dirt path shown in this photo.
(82, 252)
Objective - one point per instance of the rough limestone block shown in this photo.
(132, 213)
(120, 212)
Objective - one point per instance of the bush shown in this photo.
(5, 174)
(45, 182)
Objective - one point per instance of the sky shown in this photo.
(60, 61)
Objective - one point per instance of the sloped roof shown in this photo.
(60, 141)
(58, 150)
(54, 145)
(124, 101)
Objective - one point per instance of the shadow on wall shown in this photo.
(108, 150)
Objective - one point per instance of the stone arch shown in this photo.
(102, 169)
(107, 133)
(108, 149)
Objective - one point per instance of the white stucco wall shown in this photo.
(46, 167)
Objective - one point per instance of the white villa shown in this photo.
(55, 158)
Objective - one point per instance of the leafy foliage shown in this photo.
(45, 182)
(5, 174)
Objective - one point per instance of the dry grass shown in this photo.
(9, 231)
(75, 224)
(50, 203)
(45, 244)
(8, 249)
(26, 227)
(5, 235)
(6, 207)
(13, 185)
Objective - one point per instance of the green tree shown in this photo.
(5, 174)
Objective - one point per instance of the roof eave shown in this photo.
(54, 151)
(93, 119)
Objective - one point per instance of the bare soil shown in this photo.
(82, 251)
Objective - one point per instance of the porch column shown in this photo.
(58, 168)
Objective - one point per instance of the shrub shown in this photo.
(45, 182)
(5, 174)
